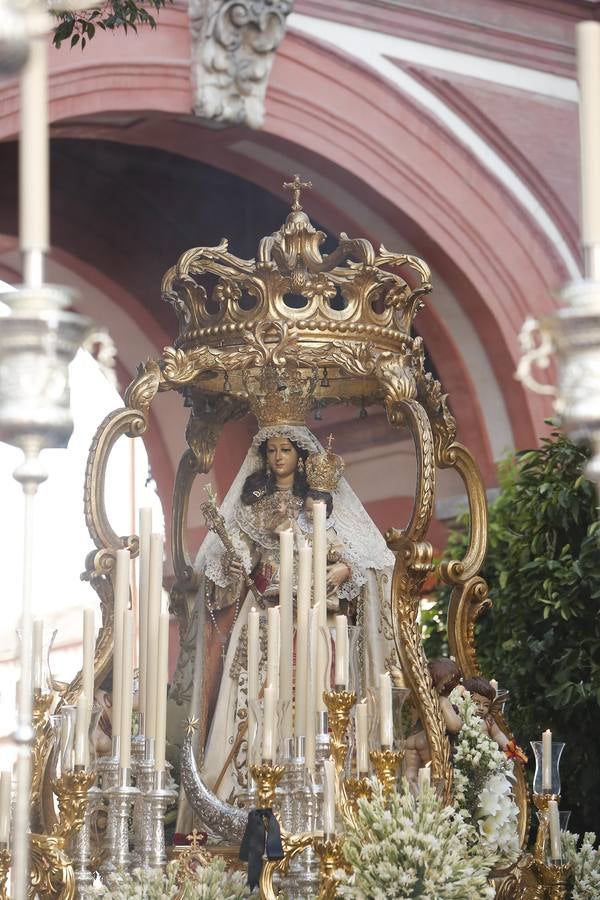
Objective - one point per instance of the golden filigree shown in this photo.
(331, 856)
(71, 790)
(52, 876)
(40, 752)
(143, 389)
(267, 777)
(386, 764)
(5, 861)
(292, 844)
(339, 704)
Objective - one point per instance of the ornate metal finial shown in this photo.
(196, 839)
(295, 187)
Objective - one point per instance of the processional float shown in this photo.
(340, 323)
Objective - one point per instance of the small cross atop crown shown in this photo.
(295, 187)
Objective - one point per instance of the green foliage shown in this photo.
(541, 639)
(80, 27)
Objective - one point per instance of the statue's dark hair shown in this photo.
(262, 483)
(322, 495)
(480, 685)
(445, 675)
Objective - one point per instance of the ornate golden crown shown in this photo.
(341, 313)
(324, 470)
(280, 396)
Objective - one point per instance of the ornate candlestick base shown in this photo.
(339, 705)
(144, 779)
(329, 851)
(81, 848)
(4, 868)
(154, 853)
(386, 764)
(267, 777)
(71, 790)
(351, 790)
(121, 799)
(554, 878)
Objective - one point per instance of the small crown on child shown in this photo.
(324, 469)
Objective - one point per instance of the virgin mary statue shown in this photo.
(274, 489)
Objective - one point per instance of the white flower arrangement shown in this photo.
(406, 847)
(483, 777)
(586, 865)
(211, 882)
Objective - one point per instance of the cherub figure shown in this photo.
(484, 694)
(445, 675)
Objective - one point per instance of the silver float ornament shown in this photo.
(38, 341)
(575, 332)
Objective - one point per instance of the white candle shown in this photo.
(121, 589)
(154, 605)
(423, 778)
(34, 225)
(270, 724)
(554, 822)
(386, 725)
(547, 760)
(588, 72)
(127, 683)
(341, 652)
(286, 624)
(144, 574)
(303, 612)
(87, 669)
(494, 684)
(362, 739)
(81, 731)
(328, 797)
(320, 550)
(273, 638)
(38, 653)
(161, 699)
(253, 653)
(310, 744)
(5, 800)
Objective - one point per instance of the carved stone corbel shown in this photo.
(233, 48)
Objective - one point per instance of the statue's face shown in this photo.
(282, 457)
(482, 705)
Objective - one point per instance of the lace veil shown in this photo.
(350, 519)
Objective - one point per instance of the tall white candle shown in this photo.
(303, 611)
(253, 654)
(38, 653)
(547, 760)
(34, 224)
(121, 588)
(81, 731)
(154, 604)
(5, 800)
(588, 72)
(286, 625)
(87, 668)
(554, 822)
(269, 746)
(127, 682)
(341, 651)
(144, 574)
(362, 738)
(320, 595)
(273, 639)
(310, 744)
(320, 550)
(161, 696)
(386, 725)
(328, 797)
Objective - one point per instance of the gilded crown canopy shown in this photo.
(333, 319)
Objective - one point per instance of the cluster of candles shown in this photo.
(312, 655)
(152, 652)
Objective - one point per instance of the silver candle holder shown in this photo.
(122, 798)
(155, 853)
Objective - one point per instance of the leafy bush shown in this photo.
(541, 640)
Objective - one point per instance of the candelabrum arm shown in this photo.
(222, 818)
